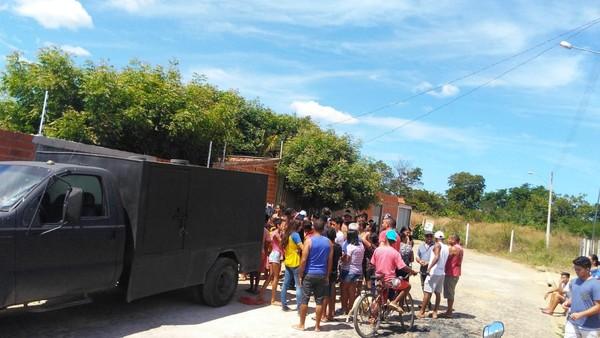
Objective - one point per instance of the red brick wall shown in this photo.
(16, 146)
(390, 205)
(267, 167)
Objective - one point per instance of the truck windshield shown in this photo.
(17, 181)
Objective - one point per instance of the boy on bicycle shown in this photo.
(386, 260)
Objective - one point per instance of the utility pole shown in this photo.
(594, 224)
(549, 211)
(43, 114)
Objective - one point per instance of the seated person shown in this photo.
(558, 294)
(386, 260)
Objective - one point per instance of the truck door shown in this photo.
(166, 209)
(55, 259)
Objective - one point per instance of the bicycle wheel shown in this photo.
(408, 317)
(366, 316)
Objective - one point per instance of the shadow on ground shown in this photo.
(110, 316)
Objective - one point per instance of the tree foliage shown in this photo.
(465, 191)
(325, 169)
(151, 110)
(401, 179)
(140, 108)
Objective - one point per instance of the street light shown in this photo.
(549, 205)
(568, 45)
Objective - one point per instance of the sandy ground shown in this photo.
(490, 289)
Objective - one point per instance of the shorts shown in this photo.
(352, 277)
(572, 331)
(330, 286)
(434, 283)
(314, 285)
(275, 257)
(449, 287)
(392, 291)
(343, 275)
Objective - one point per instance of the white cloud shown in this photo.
(131, 5)
(447, 90)
(75, 50)
(275, 90)
(322, 113)
(430, 133)
(3, 7)
(546, 72)
(55, 13)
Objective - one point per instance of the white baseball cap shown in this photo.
(439, 235)
(353, 226)
(302, 212)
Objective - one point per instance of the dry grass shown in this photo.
(528, 246)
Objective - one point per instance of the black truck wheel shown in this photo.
(221, 282)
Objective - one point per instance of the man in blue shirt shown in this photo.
(315, 269)
(584, 302)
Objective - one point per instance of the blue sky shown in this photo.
(333, 60)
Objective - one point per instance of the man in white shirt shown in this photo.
(434, 282)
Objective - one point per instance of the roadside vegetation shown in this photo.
(528, 245)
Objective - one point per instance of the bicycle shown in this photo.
(373, 309)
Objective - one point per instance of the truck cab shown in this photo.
(60, 231)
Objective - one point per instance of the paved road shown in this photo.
(490, 289)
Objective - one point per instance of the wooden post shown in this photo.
(467, 235)
(512, 237)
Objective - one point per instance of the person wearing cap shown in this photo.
(387, 260)
(434, 282)
(423, 255)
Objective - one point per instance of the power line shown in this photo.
(580, 113)
(471, 91)
(578, 30)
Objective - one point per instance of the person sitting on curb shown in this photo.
(558, 294)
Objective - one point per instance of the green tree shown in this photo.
(465, 191)
(407, 178)
(427, 202)
(139, 108)
(401, 179)
(324, 169)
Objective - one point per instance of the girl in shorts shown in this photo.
(275, 258)
(353, 257)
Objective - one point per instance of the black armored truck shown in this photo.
(72, 224)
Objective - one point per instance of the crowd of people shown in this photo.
(322, 256)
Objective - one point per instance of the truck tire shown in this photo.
(197, 294)
(221, 282)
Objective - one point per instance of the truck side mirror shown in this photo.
(73, 205)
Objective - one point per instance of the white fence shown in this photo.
(588, 247)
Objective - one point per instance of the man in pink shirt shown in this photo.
(453, 267)
(386, 260)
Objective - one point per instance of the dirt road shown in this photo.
(490, 289)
